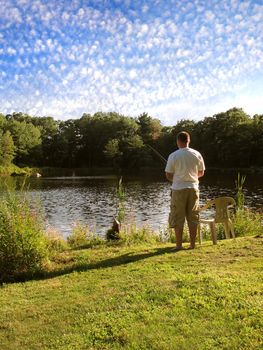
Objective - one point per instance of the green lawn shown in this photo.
(143, 297)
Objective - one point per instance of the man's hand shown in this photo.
(169, 176)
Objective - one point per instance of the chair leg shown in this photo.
(213, 232)
(231, 228)
(227, 233)
(199, 233)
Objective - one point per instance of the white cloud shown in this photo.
(166, 60)
(11, 51)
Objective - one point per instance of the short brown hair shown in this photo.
(183, 136)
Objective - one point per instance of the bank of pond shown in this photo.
(28, 245)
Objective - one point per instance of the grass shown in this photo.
(140, 297)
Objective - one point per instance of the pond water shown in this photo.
(92, 200)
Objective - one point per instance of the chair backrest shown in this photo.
(221, 205)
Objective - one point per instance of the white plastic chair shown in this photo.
(221, 216)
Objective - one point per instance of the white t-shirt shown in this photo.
(185, 164)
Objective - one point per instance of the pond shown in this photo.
(92, 200)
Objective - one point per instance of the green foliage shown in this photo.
(121, 196)
(131, 234)
(240, 197)
(23, 245)
(14, 170)
(247, 223)
(112, 148)
(82, 237)
(227, 139)
(55, 241)
(149, 128)
(7, 149)
(25, 136)
(114, 232)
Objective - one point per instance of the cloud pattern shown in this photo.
(173, 59)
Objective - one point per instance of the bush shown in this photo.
(247, 223)
(23, 245)
(82, 237)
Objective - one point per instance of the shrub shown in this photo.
(23, 245)
(82, 237)
(247, 223)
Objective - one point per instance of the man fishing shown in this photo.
(183, 169)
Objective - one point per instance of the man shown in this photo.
(183, 169)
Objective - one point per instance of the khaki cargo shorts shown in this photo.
(184, 205)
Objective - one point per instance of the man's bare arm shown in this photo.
(169, 176)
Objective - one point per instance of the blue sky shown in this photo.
(172, 59)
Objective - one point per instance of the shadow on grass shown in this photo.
(107, 263)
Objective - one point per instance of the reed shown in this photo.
(121, 196)
(240, 197)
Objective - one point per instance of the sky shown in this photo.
(171, 59)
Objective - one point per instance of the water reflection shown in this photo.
(92, 200)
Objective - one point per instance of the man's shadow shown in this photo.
(82, 266)
(107, 263)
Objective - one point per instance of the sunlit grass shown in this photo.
(140, 297)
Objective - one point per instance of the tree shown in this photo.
(257, 140)
(49, 128)
(7, 149)
(112, 151)
(26, 137)
(97, 131)
(149, 128)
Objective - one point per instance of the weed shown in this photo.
(82, 237)
(247, 223)
(240, 197)
(56, 242)
(23, 245)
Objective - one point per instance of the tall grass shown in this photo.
(82, 237)
(240, 197)
(246, 222)
(23, 243)
(131, 234)
(121, 196)
(114, 232)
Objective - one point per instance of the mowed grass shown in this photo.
(141, 297)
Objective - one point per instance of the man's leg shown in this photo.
(179, 237)
(192, 234)
(193, 215)
(177, 215)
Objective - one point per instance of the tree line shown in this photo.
(227, 139)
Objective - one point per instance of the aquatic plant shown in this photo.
(240, 197)
(121, 196)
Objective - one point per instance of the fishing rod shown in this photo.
(157, 153)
